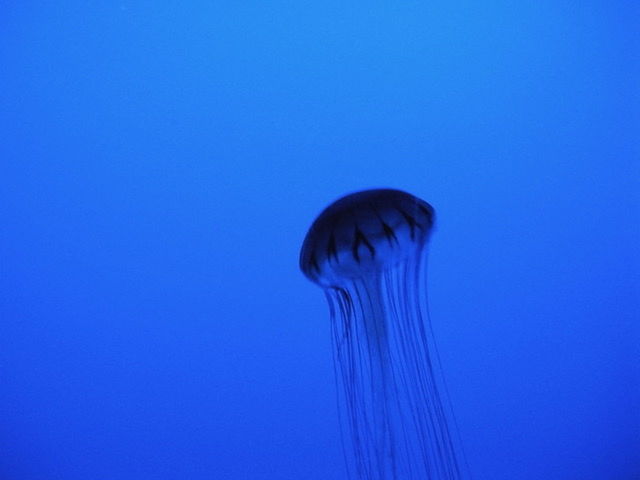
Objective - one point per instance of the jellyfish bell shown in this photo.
(366, 252)
(364, 233)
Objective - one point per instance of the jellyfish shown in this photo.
(367, 251)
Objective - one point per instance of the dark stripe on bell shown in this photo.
(332, 250)
(428, 213)
(389, 233)
(411, 222)
(361, 239)
(314, 262)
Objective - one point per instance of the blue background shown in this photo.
(161, 162)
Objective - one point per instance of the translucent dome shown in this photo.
(363, 233)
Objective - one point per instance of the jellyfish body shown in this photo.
(367, 251)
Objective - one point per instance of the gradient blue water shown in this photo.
(161, 161)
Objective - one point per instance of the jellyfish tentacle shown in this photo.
(373, 317)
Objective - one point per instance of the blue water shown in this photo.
(160, 164)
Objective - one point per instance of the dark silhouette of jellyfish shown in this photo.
(367, 251)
